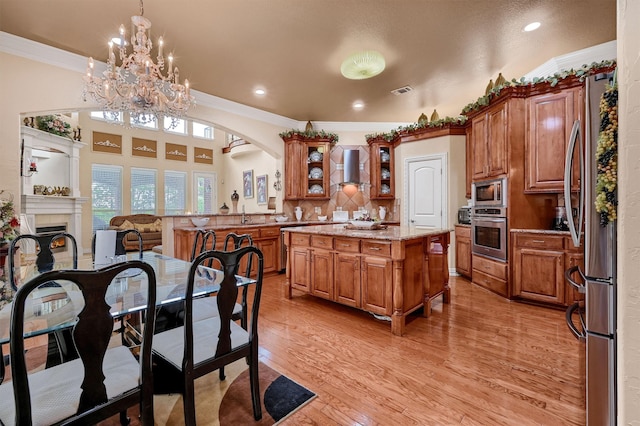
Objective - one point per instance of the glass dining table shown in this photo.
(55, 306)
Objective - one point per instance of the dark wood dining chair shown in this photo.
(201, 347)
(202, 240)
(120, 236)
(45, 259)
(104, 380)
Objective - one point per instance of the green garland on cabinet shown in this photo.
(607, 157)
(582, 73)
(389, 136)
(310, 134)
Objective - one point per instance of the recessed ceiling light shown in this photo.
(532, 26)
(260, 92)
(358, 105)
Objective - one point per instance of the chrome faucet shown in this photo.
(244, 219)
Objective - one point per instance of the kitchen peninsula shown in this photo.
(390, 272)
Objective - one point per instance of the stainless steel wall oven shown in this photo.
(489, 232)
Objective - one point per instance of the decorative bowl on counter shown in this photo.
(322, 218)
(364, 224)
(199, 221)
(282, 218)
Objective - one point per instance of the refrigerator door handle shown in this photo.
(567, 276)
(580, 335)
(568, 168)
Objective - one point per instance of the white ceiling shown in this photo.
(446, 50)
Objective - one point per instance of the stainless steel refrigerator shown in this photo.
(593, 320)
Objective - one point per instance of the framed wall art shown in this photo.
(261, 189)
(247, 183)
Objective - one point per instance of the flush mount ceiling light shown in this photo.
(532, 26)
(138, 85)
(363, 65)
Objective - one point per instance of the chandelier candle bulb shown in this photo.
(160, 44)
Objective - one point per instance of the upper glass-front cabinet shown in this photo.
(382, 169)
(307, 168)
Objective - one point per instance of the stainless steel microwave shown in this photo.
(490, 193)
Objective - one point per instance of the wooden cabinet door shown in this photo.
(463, 250)
(469, 159)
(316, 172)
(377, 285)
(497, 141)
(550, 119)
(300, 263)
(347, 279)
(539, 275)
(479, 147)
(382, 174)
(322, 273)
(270, 249)
(292, 170)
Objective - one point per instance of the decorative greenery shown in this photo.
(9, 224)
(582, 73)
(607, 157)
(420, 125)
(310, 134)
(53, 124)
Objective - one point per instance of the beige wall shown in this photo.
(629, 213)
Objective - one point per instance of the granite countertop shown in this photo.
(541, 231)
(250, 225)
(392, 233)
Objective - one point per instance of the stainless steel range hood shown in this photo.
(351, 167)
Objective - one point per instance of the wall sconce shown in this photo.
(277, 185)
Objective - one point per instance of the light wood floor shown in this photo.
(481, 360)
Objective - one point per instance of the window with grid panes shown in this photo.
(106, 194)
(143, 191)
(175, 192)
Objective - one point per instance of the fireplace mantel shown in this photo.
(64, 165)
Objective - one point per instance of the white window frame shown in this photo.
(214, 193)
(174, 131)
(204, 126)
(99, 116)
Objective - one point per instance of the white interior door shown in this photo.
(425, 193)
(204, 193)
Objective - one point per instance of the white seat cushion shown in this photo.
(55, 391)
(170, 344)
(207, 307)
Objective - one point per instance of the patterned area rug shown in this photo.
(229, 402)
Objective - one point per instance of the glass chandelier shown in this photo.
(138, 86)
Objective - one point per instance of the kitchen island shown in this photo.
(389, 272)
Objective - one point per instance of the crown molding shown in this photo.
(573, 60)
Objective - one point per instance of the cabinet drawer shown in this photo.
(376, 248)
(541, 241)
(270, 232)
(321, 241)
(463, 231)
(299, 239)
(491, 267)
(489, 282)
(348, 245)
